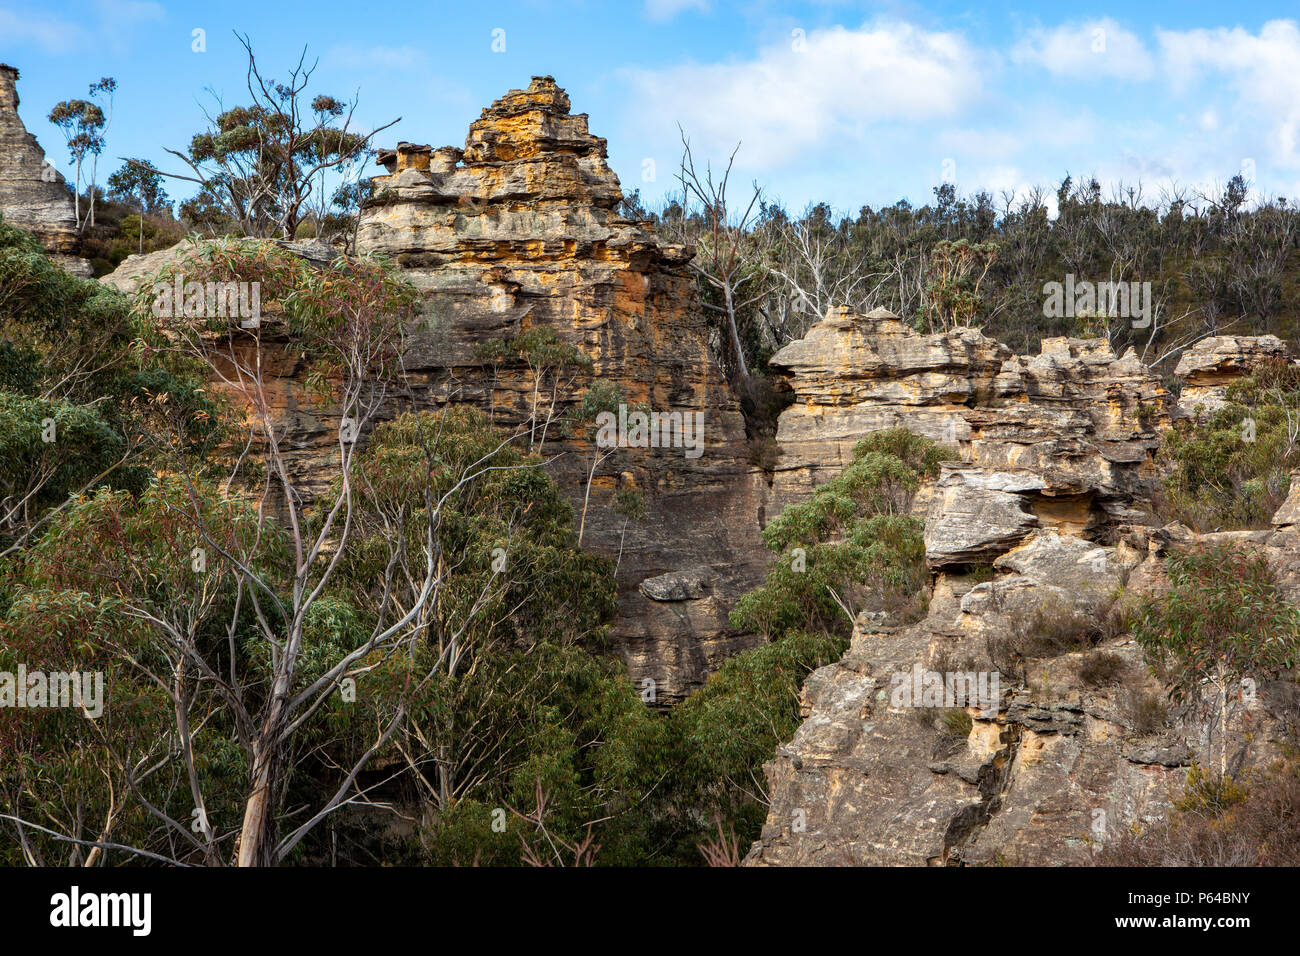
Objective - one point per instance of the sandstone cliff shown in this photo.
(520, 230)
(1052, 491)
(33, 194)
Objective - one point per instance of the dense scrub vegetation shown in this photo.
(1254, 821)
(851, 546)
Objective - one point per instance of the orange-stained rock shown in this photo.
(519, 230)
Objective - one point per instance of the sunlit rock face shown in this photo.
(1214, 363)
(520, 230)
(1047, 513)
(1063, 440)
(33, 194)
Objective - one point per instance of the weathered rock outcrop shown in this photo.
(1063, 440)
(520, 231)
(33, 194)
(1212, 364)
(1043, 516)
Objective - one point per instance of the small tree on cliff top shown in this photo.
(263, 162)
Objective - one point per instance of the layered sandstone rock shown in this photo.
(33, 194)
(1063, 440)
(1049, 502)
(520, 231)
(1214, 363)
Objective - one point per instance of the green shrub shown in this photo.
(1221, 619)
(851, 542)
(1233, 470)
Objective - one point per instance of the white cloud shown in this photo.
(824, 90)
(1088, 49)
(49, 33)
(1259, 71)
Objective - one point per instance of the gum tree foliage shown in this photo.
(515, 697)
(521, 606)
(852, 542)
(958, 269)
(266, 164)
(1217, 262)
(553, 369)
(84, 125)
(1223, 619)
(138, 184)
(477, 680)
(79, 387)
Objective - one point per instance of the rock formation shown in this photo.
(1214, 363)
(1046, 509)
(33, 194)
(1045, 514)
(1062, 441)
(519, 231)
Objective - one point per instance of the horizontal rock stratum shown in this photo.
(33, 194)
(1063, 440)
(1047, 512)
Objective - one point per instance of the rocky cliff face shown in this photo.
(520, 231)
(33, 194)
(1061, 441)
(1214, 363)
(1045, 514)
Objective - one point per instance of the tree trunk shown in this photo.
(76, 199)
(735, 333)
(257, 835)
(1223, 724)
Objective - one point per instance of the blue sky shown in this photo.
(850, 103)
